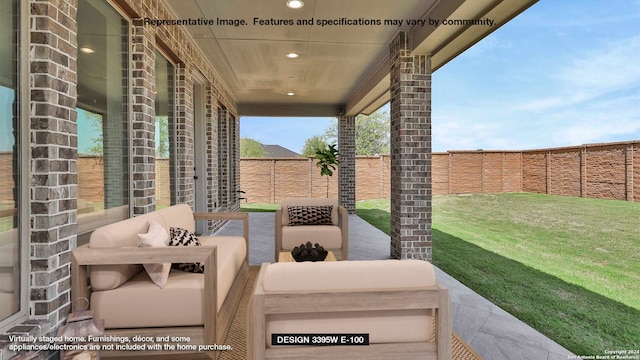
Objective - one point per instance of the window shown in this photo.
(10, 157)
(102, 115)
(165, 135)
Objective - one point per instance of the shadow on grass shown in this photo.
(582, 321)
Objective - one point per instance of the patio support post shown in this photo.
(410, 151)
(212, 154)
(347, 168)
(185, 152)
(53, 182)
(223, 158)
(143, 147)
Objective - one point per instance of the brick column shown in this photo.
(54, 151)
(347, 168)
(234, 170)
(185, 185)
(115, 132)
(223, 158)
(212, 154)
(143, 120)
(410, 152)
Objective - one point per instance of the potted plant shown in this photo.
(327, 161)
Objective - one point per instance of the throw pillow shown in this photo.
(184, 237)
(156, 236)
(310, 215)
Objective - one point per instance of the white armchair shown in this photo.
(299, 220)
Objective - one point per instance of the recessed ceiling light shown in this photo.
(290, 93)
(295, 4)
(87, 50)
(292, 55)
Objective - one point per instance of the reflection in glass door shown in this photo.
(9, 162)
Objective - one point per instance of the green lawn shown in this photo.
(262, 207)
(569, 267)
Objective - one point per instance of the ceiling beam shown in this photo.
(297, 110)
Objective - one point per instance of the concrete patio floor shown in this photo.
(492, 332)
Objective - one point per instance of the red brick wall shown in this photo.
(370, 177)
(534, 172)
(635, 186)
(6, 177)
(163, 182)
(603, 171)
(259, 175)
(564, 171)
(465, 172)
(512, 172)
(90, 178)
(440, 173)
(608, 171)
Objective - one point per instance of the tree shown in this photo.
(162, 137)
(313, 144)
(95, 120)
(327, 161)
(250, 148)
(372, 133)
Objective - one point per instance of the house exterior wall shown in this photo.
(53, 159)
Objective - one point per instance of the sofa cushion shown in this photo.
(121, 234)
(309, 202)
(382, 326)
(349, 275)
(184, 237)
(125, 234)
(180, 303)
(310, 215)
(156, 236)
(329, 236)
(232, 251)
(139, 303)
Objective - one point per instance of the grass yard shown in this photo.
(569, 267)
(261, 207)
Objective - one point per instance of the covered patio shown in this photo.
(490, 331)
(191, 69)
(341, 59)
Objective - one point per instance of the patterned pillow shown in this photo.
(183, 237)
(310, 215)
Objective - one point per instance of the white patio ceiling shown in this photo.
(340, 68)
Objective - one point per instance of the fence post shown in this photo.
(583, 172)
(629, 172)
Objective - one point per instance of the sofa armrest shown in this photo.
(343, 223)
(229, 216)
(84, 256)
(278, 233)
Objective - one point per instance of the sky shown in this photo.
(562, 73)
